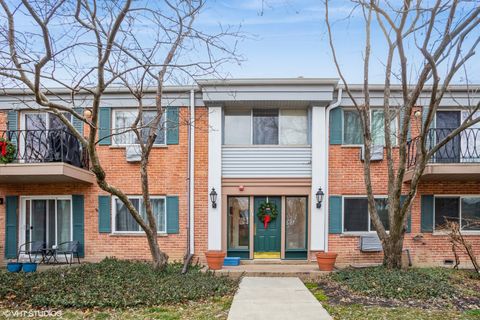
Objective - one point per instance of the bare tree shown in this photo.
(459, 242)
(88, 46)
(440, 36)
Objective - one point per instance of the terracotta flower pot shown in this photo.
(326, 260)
(215, 259)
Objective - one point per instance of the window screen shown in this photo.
(355, 215)
(446, 208)
(265, 126)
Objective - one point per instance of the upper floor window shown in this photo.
(464, 210)
(41, 121)
(266, 127)
(124, 135)
(352, 127)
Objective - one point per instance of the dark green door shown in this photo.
(269, 239)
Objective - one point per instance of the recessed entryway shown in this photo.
(283, 236)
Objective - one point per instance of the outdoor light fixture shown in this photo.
(213, 198)
(319, 196)
(87, 113)
(417, 114)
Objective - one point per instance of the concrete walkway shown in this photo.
(275, 298)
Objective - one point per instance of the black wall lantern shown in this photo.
(213, 198)
(319, 196)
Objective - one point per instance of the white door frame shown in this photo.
(22, 226)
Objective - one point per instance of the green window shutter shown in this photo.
(11, 208)
(77, 123)
(335, 214)
(427, 213)
(336, 123)
(104, 214)
(12, 119)
(409, 219)
(104, 124)
(172, 125)
(172, 214)
(78, 222)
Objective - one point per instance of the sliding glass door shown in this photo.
(48, 220)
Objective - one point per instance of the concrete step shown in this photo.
(274, 261)
(304, 271)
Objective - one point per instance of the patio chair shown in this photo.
(32, 248)
(69, 248)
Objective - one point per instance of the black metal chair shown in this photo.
(32, 248)
(69, 248)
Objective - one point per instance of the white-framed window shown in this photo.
(266, 126)
(123, 120)
(461, 209)
(42, 133)
(352, 127)
(42, 120)
(123, 221)
(356, 217)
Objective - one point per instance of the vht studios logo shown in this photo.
(32, 313)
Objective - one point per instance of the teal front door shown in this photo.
(267, 241)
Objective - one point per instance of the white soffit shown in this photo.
(269, 91)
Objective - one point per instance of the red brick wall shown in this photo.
(346, 178)
(167, 176)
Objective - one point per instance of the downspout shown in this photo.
(191, 183)
(191, 175)
(327, 147)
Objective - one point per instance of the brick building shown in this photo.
(254, 141)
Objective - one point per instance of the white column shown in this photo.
(215, 177)
(318, 227)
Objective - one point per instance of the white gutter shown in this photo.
(327, 146)
(191, 173)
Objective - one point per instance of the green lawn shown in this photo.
(378, 293)
(355, 311)
(116, 289)
(213, 308)
(112, 284)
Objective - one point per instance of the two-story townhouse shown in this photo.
(285, 142)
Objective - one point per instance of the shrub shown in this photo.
(397, 284)
(112, 283)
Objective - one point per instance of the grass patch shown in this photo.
(213, 308)
(112, 284)
(425, 283)
(354, 312)
(418, 293)
(316, 291)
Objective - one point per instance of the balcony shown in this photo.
(459, 159)
(44, 156)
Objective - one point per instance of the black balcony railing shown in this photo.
(42, 146)
(463, 148)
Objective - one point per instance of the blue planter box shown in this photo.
(231, 261)
(29, 267)
(14, 266)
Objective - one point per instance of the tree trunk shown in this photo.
(160, 258)
(392, 250)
